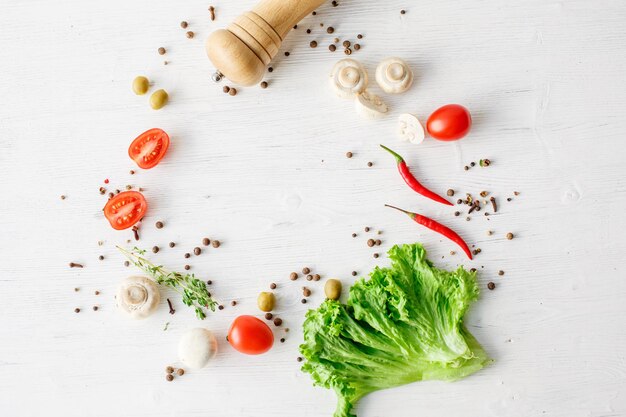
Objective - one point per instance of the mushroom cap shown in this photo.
(410, 128)
(197, 347)
(348, 77)
(370, 105)
(394, 75)
(138, 296)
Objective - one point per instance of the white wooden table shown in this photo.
(265, 173)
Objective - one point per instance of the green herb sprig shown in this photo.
(193, 291)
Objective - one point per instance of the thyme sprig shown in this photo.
(193, 291)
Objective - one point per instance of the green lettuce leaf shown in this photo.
(404, 324)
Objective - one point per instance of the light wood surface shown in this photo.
(243, 51)
(265, 172)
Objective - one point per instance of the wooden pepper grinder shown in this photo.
(242, 51)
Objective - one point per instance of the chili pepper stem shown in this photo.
(395, 155)
(408, 213)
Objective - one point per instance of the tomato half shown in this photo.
(125, 209)
(149, 148)
(450, 122)
(250, 335)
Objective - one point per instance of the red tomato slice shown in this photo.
(149, 148)
(450, 122)
(125, 209)
(250, 335)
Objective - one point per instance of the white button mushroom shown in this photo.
(410, 129)
(394, 75)
(138, 297)
(370, 105)
(197, 347)
(348, 77)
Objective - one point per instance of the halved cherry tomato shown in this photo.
(250, 335)
(149, 148)
(125, 209)
(450, 122)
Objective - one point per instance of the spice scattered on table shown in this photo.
(491, 285)
(75, 265)
(510, 236)
(216, 243)
(212, 12)
(189, 35)
(293, 276)
(161, 51)
(264, 84)
(184, 24)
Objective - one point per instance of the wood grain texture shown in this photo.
(265, 173)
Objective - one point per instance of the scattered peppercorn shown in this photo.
(332, 48)
(272, 286)
(287, 53)
(270, 69)
(184, 24)
(155, 249)
(509, 236)
(316, 277)
(330, 29)
(95, 308)
(370, 242)
(370, 164)
(353, 234)
(306, 270)
(516, 192)
(314, 13)
(209, 282)
(354, 273)
(215, 243)
(457, 213)
(500, 272)
(402, 11)
(232, 92)
(303, 301)
(509, 199)
(268, 316)
(197, 251)
(161, 51)
(313, 44)
(308, 31)
(295, 26)
(169, 377)
(491, 285)
(282, 340)
(306, 292)
(77, 310)
(97, 292)
(226, 89)
(467, 219)
(346, 44)
(278, 321)
(233, 303)
(376, 255)
(187, 267)
(187, 255)
(359, 36)
(299, 359)
(378, 242)
(367, 229)
(357, 46)
(180, 372)
(293, 276)
(347, 51)
(126, 263)
(169, 370)
(101, 258)
(189, 34)
(309, 277)
(349, 154)
(264, 84)
(220, 307)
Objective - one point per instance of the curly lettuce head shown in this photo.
(404, 324)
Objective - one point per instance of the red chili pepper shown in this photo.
(437, 227)
(412, 181)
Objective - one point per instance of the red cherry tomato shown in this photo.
(450, 122)
(250, 335)
(125, 209)
(149, 148)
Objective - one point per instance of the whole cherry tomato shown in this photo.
(149, 148)
(250, 335)
(125, 209)
(450, 122)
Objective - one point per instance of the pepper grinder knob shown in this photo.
(243, 50)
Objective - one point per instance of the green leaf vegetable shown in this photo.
(193, 290)
(404, 324)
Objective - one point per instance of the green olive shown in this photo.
(158, 99)
(141, 85)
(332, 289)
(266, 301)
